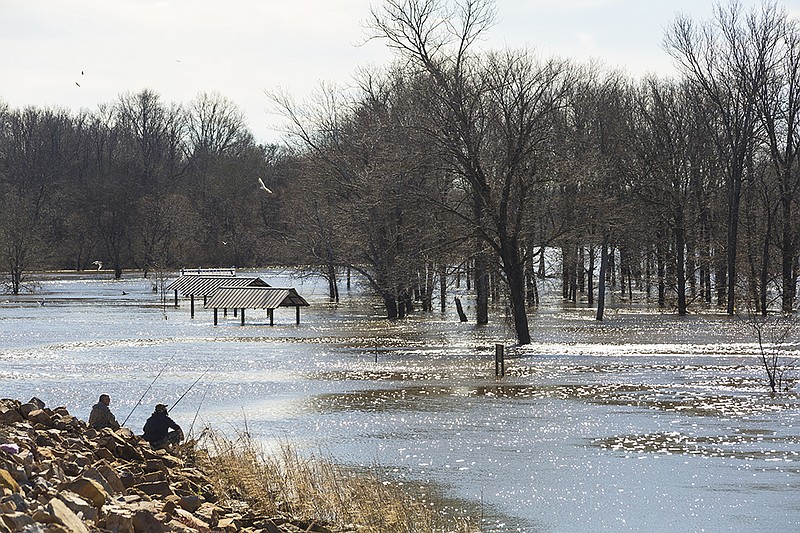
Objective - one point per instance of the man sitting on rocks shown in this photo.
(101, 416)
(157, 429)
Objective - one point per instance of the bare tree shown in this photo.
(594, 208)
(215, 126)
(773, 335)
(493, 115)
(360, 187)
(728, 59)
(37, 154)
(152, 134)
(215, 130)
(669, 142)
(779, 107)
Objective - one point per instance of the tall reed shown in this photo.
(286, 484)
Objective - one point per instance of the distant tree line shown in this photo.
(452, 159)
(138, 183)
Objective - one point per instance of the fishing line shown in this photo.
(200, 405)
(190, 388)
(148, 388)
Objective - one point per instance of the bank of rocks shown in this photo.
(58, 475)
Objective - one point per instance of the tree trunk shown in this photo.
(542, 271)
(733, 232)
(460, 310)
(481, 289)
(680, 263)
(789, 282)
(601, 282)
(765, 264)
(590, 277)
(443, 286)
(661, 268)
(333, 288)
(531, 289)
(721, 278)
(565, 260)
(691, 267)
(535, 290)
(390, 302)
(514, 269)
(611, 267)
(430, 282)
(16, 280)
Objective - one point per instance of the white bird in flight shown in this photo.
(99, 264)
(262, 186)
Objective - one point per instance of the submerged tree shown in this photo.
(774, 334)
(492, 119)
(669, 142)
(729, 60)
(779, 111)
(358, 195)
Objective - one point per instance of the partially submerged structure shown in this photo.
(191, 285)
(255, 297)
(223, 289)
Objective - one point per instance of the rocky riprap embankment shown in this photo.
(59, 475)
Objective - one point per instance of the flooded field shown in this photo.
(645, 422)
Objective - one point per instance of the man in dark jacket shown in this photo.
(101, 416)
(157, 429)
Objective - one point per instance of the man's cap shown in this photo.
(160, 407)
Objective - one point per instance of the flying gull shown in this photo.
(262, 186)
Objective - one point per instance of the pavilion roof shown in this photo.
(193, 284)
(254, 297)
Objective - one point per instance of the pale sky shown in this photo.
(240, 48)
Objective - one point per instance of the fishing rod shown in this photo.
(199, 405)
(190, 388)
(148, 389)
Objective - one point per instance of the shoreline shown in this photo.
(58, 475)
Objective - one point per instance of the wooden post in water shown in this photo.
(460, 310)
(176, 297)
(215, 316)
(297, 313)
(499, 361)
(271, 317)
(243, 316)
(192, 300)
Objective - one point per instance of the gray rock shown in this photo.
(119, 521)
(64, 516)
(37, 402)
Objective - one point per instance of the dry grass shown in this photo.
(311, 488)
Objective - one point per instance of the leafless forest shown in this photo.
(450, 158)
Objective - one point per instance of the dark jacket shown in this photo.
(157, 427)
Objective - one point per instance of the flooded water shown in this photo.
(644, 422)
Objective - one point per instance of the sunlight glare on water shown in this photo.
(643, 422)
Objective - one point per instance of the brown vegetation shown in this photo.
(59, 475)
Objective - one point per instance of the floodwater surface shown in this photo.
(643, 422)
